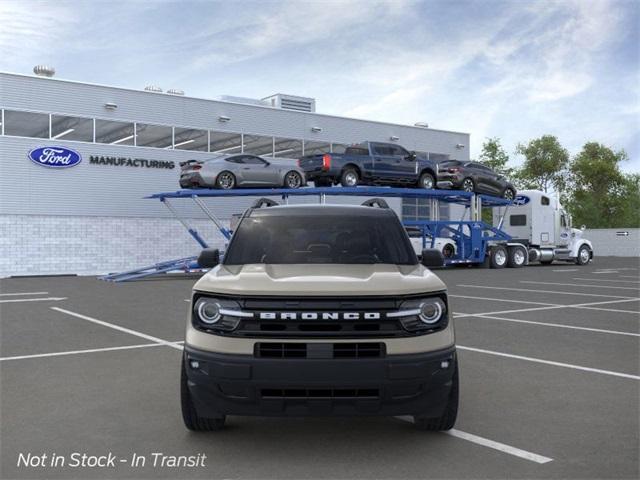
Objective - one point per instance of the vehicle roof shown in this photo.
(319, 210)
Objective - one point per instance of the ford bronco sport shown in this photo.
(319, 310)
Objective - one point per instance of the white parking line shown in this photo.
(566, 270)
(485, 442)
(628, 276)
(91, 350)
(581, 285)
(549, 362)
(118, 327)
(529, 290)
(504, 300)
(546, 324)
(20, 300)
(552, 306)
(23, 293)
(605, 280)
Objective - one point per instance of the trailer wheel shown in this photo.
(448, 251)
(584, 255)
(499, 257)
(517, 257)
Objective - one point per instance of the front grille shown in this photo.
(319, 350)
(322, 328)
(313, 393)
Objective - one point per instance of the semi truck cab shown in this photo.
(538, 221)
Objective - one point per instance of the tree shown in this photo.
(495, 157)
(545, 164)
(600, 195)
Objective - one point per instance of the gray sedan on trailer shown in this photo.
(241, 170)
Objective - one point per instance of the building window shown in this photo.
(26, 124)
(287, 148)
(314, 148)
(71, 128)
(258, 145)
(114, 133)
(225, 142)
(157, 136)
(190, 139)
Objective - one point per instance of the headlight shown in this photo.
(423, 314)
(208, 310)
(431, 311)
(211, 313)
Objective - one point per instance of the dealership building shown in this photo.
(92, 217)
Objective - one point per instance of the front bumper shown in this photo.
(414, 384)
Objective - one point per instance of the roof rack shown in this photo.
(375, 202)
(264, 202)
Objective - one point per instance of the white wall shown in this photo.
(609, 242)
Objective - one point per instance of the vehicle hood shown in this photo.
(320, 280)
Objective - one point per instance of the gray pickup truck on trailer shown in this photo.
(319, 310)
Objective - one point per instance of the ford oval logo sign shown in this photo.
(55, 157)
(521, 200)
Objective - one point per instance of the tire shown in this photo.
(468, 185)
(292, 180)
(349, 177)
(226, 180)
(499, 257)
(189, 415)
(427, 181)
(517, 257)
(448, 418)
(584, 255)
(448, 251)
(508, 194)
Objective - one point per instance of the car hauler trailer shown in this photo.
(474, 241)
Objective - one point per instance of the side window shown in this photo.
(399, 151)
(379, 149)
(544, 200)
(238, 159)
(563, 220)
(251, 160)
(518, 220)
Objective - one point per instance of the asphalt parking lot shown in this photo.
(549, 371)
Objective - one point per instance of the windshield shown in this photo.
(334, 239)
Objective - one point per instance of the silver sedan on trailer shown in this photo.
(241, 170)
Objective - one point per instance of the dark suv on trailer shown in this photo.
(319, 310)
(474, 177)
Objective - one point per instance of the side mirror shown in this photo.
(412, 156)
(432, 257)
(583, 228)
(209, 258)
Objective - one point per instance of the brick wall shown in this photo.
(45, 245)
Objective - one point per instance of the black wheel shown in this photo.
(226, 180)
(508, 194)
(468, 185)
(427, 181)
(448, 418)
(498, 257)
(584, 255)
(448, 251)
(189, 415)
(293, 179)
(517, 257)
(349, 177)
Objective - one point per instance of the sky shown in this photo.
(509, 69)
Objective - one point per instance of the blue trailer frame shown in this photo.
(472, 237)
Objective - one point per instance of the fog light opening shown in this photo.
(444, 364)
(194, 364)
